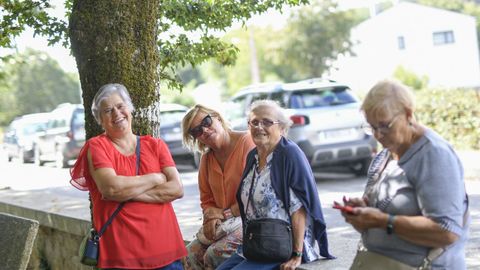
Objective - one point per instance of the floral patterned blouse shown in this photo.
(265, 204)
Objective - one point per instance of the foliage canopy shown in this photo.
(187, 28)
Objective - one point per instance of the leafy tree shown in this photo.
(312, 37)
(36, 83)
(137, 43)
(315, 36)
(7, 96)
(41, 84)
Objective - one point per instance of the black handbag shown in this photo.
(267, 239)
(90, 246)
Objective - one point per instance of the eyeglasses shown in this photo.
(198, 130)
(384, 129)
(264, 122)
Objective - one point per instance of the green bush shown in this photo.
(410, 78)
(453, 113)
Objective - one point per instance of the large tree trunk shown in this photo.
(115, 42)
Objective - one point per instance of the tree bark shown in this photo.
(116, 42)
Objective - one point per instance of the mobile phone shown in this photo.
(344, 208)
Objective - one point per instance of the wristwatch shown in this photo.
(297, 253)
(391, 219)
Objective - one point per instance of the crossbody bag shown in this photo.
(266, 239)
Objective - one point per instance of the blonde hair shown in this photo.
(279, 112)
(193, 144)
(389, 96)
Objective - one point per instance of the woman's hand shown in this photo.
(212, 218)
(355, 202)
(364, 218)
(291, 264)
(210, 228)
(168, 187)
(212, 213)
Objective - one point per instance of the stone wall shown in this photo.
(57, 241)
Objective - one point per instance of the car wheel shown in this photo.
(361, 168)
(36, 157)
(196, 159)
(21, 156)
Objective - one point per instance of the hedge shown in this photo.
(453, 113)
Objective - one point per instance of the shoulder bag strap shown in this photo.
(120, 206)
(250, 191)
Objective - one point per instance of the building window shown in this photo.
(401, 42)
(444, 37)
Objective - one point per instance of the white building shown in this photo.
(432, 42)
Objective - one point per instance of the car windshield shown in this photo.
(32, 128)
(324, 97)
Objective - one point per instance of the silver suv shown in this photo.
(326, 120)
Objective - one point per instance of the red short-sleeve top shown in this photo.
(142, 235)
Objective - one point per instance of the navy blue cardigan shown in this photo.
(291, 169)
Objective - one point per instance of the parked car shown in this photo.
(20, 136)
(171, 116)
(326, 120)
(63, 137)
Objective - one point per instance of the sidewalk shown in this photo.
(471, 164)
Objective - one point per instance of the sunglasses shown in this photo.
(264, 122)
(198, 130)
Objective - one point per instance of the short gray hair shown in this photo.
(279, 112)
(105, 92)
(390, 96)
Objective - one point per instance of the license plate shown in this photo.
(339, 135)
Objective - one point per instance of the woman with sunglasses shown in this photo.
(278, 183)
(224, 153)
(414, 211)
(145, 233)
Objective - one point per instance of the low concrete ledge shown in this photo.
(54, 221)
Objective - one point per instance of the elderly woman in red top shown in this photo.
(224, 155)
(145, 233)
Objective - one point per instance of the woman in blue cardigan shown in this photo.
(281, 177)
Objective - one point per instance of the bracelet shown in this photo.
(227, 213)
(297, 253)
(391, 219)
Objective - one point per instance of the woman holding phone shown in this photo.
(414, 210)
